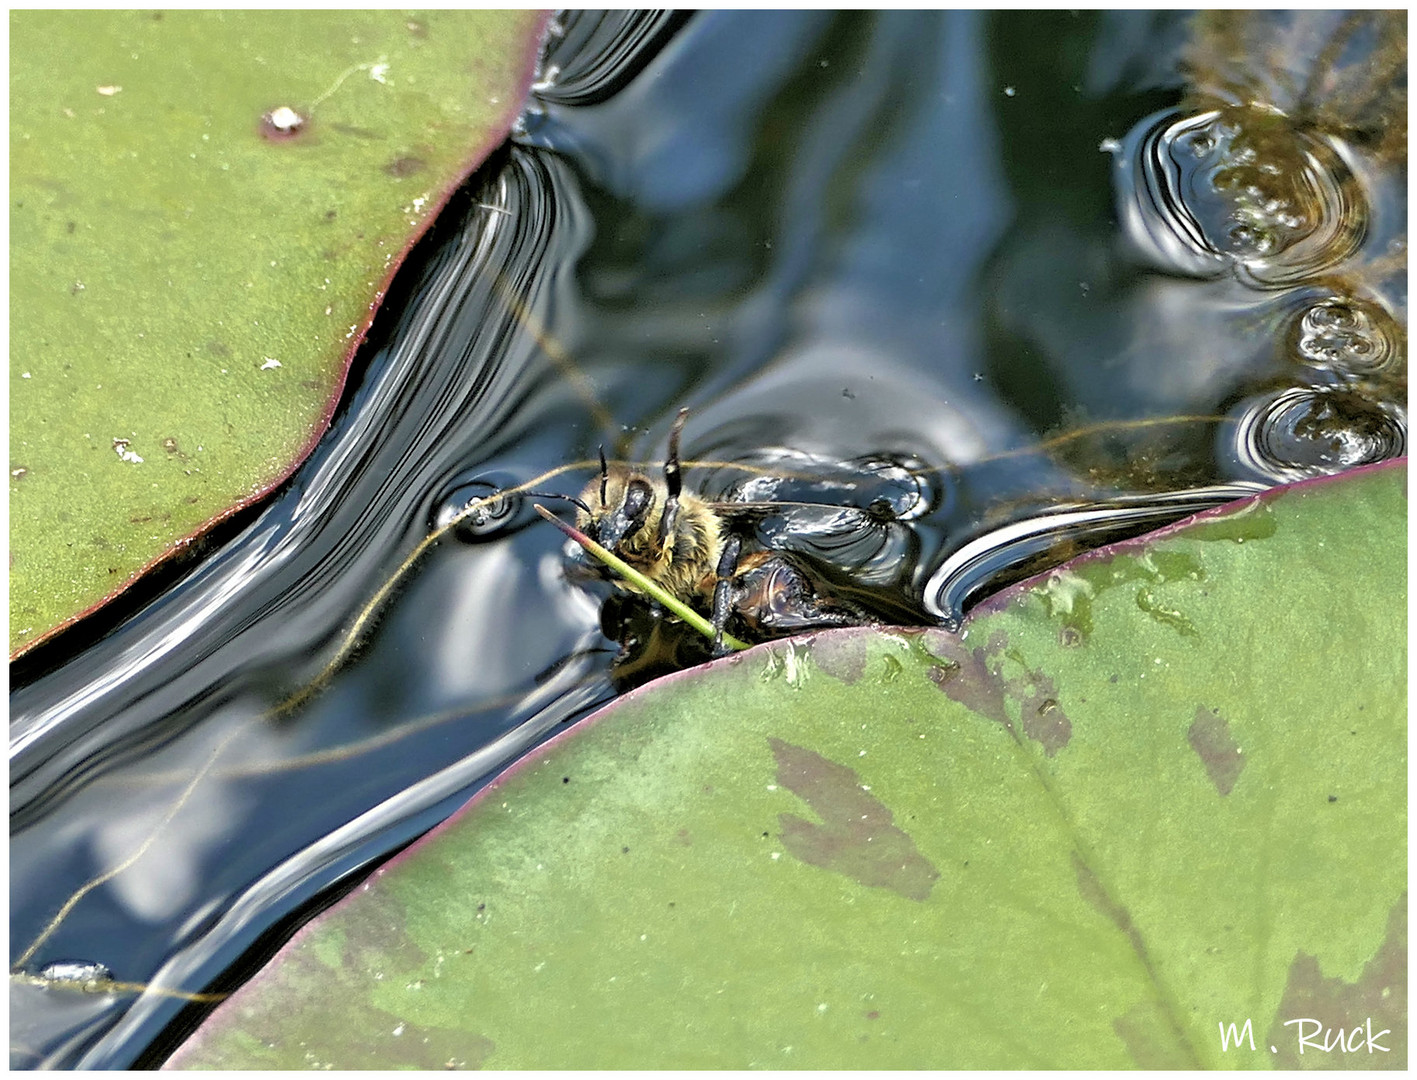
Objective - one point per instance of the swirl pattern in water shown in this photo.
(1239, 188)
(1311, 431)
(1349, 337)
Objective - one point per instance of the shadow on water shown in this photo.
(980, 265)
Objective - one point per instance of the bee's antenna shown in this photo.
(672, 482)
(553, 495)
(604, 474)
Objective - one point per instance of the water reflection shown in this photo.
(874, 276)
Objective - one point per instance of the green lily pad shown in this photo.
(1150, 795)
(188, 280)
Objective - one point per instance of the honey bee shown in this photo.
(706, 554)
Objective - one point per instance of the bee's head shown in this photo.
(624, 512)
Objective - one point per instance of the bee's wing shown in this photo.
(855, 545)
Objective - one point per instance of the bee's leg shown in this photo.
(672, 482)
(723, 592)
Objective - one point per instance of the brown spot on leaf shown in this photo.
(939, 674)
(1213, 743)
(382, 944)
(856, 837)
(1378, 996)
(975, 679)
(971, 683)
(303, 1019)
(405, 166)
(841, 655)
(1044, 722)
(1150, 1038)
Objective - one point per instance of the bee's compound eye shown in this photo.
(638, 496)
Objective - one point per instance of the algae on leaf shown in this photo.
(1063, 839)
(191, 267)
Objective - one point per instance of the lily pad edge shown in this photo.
(474, 160)
(534, 758)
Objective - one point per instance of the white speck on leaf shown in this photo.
(120, 447)
(108, 91)
(271, 362)
(283, 118)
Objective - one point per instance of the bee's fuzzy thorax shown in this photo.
(693, 553)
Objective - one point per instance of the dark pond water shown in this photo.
(1037, 278)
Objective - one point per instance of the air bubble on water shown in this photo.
(1348, 336)
(84, 974)
(477, 511)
